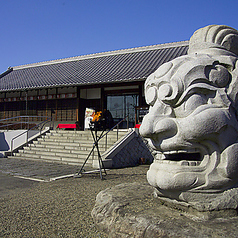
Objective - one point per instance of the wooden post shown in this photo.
(56, 104)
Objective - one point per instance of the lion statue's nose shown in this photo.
(165, 128)
(162, 128)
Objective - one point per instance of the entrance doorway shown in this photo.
(121, 106)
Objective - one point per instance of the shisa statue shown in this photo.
(192, 124)
(192, 128)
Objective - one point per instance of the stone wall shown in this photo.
(130, 151)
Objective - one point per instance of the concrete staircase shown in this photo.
(68, 147)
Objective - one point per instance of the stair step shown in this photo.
(23, 158)
(76, 161)
(57, 143)
(53, 139)
(82, 140)
(50, 158)
(69, 147)
(27, 155)
(88, 135)
(58, 152)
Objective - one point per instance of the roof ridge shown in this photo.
(101, 54)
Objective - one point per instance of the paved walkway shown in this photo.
(37, 170)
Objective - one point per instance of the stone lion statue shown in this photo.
(192, 124)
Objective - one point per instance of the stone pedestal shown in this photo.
(133, 210)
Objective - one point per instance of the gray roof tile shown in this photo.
(108, 67)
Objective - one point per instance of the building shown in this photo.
(64, 88)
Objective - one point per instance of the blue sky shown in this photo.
(39, 30)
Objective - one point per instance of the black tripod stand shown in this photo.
(96, 139)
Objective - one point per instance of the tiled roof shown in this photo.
(108, 67)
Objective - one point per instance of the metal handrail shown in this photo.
(39, 125)
(42, 123)
(117, 125)
(20, 122)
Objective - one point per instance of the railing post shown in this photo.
(106, 143)
(11, 147)
(40, 130)
(117, 130)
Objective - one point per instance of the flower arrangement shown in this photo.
(97, 116)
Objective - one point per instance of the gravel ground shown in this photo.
(60, 208)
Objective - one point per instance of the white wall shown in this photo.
(6, 137)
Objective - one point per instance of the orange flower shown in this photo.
(97, 116)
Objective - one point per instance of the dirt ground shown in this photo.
(60, 208)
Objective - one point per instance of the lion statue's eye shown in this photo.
(151, 95)
(165, 91)
(219, 75)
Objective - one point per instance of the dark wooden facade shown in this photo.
(63, 89)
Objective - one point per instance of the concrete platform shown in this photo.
(37, 170)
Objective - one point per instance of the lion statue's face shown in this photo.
(192, 124)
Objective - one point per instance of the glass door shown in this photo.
(121, 106)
